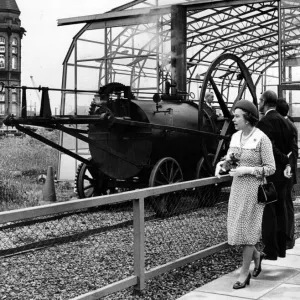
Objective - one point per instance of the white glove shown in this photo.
(287, 171)
(219, 168)
(240, 171)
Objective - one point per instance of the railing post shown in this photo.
(139, 242)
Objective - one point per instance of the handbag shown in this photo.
(266, 192)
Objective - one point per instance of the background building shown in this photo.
(11, 34)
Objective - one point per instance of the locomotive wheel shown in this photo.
(90, 182)
(209, 82)
(208, 195)
(165, 171)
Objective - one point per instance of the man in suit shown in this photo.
(274, 224)
(283, 109)
(209, 99)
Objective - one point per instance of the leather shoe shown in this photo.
(257, 270)
(241, 285)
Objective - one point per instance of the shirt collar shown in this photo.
(269, 110)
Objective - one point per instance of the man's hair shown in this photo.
(270, 98)
(282, 107)
(208, 95)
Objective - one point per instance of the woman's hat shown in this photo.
(248, 107)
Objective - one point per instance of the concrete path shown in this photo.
(279, 280)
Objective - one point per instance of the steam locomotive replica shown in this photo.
(135, 143)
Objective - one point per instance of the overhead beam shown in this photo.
(115, 15)
(210, 4)
(199, 4)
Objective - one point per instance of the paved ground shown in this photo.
(279, 280)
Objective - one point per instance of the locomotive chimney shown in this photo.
(178, 48)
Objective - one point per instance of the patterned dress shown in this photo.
(244, 213)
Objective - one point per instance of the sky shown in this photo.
(45, 44)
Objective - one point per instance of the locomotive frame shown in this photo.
(163, 53)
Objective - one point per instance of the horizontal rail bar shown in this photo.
(294, 87)
(109, 289)
(185, 260)
(37, 211)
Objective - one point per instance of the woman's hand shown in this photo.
(240, 171)
(219, 168)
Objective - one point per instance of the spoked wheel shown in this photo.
(209, 81)
(90, 181)
(165, 171)
(209, 194)
(237, 69)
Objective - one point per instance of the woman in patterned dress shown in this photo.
(244, 213)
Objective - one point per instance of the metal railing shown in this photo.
(116, 241)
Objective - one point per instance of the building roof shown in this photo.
(9, 5)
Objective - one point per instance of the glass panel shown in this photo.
(290, 30)
(68, 166)
(2, 109)
(2, 62)
(14, 109)
(14, 97)
(2, 40)
(14, 63)
(292, 97)
(289, 3)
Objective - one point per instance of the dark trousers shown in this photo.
(290, 227)
(274, 224)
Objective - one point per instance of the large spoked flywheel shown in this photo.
(233, 66)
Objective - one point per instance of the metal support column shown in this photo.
(279, 44)
(178, 47)
(290, 92)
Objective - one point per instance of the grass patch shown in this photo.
(22, 160)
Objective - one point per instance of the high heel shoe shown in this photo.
(257, 270)
(241, 285)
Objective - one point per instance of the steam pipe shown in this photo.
(2, 86)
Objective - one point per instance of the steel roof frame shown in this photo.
(247, 28)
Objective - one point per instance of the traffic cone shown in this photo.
(49, 188)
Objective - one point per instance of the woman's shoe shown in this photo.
(241, 285)
(257, 270)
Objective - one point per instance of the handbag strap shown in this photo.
(263, 175)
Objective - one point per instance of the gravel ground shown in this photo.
(64, 271)
(181, 281)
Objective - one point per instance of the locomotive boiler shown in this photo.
(144, 143)
(140, 133)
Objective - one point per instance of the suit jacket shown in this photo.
(281, 136)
